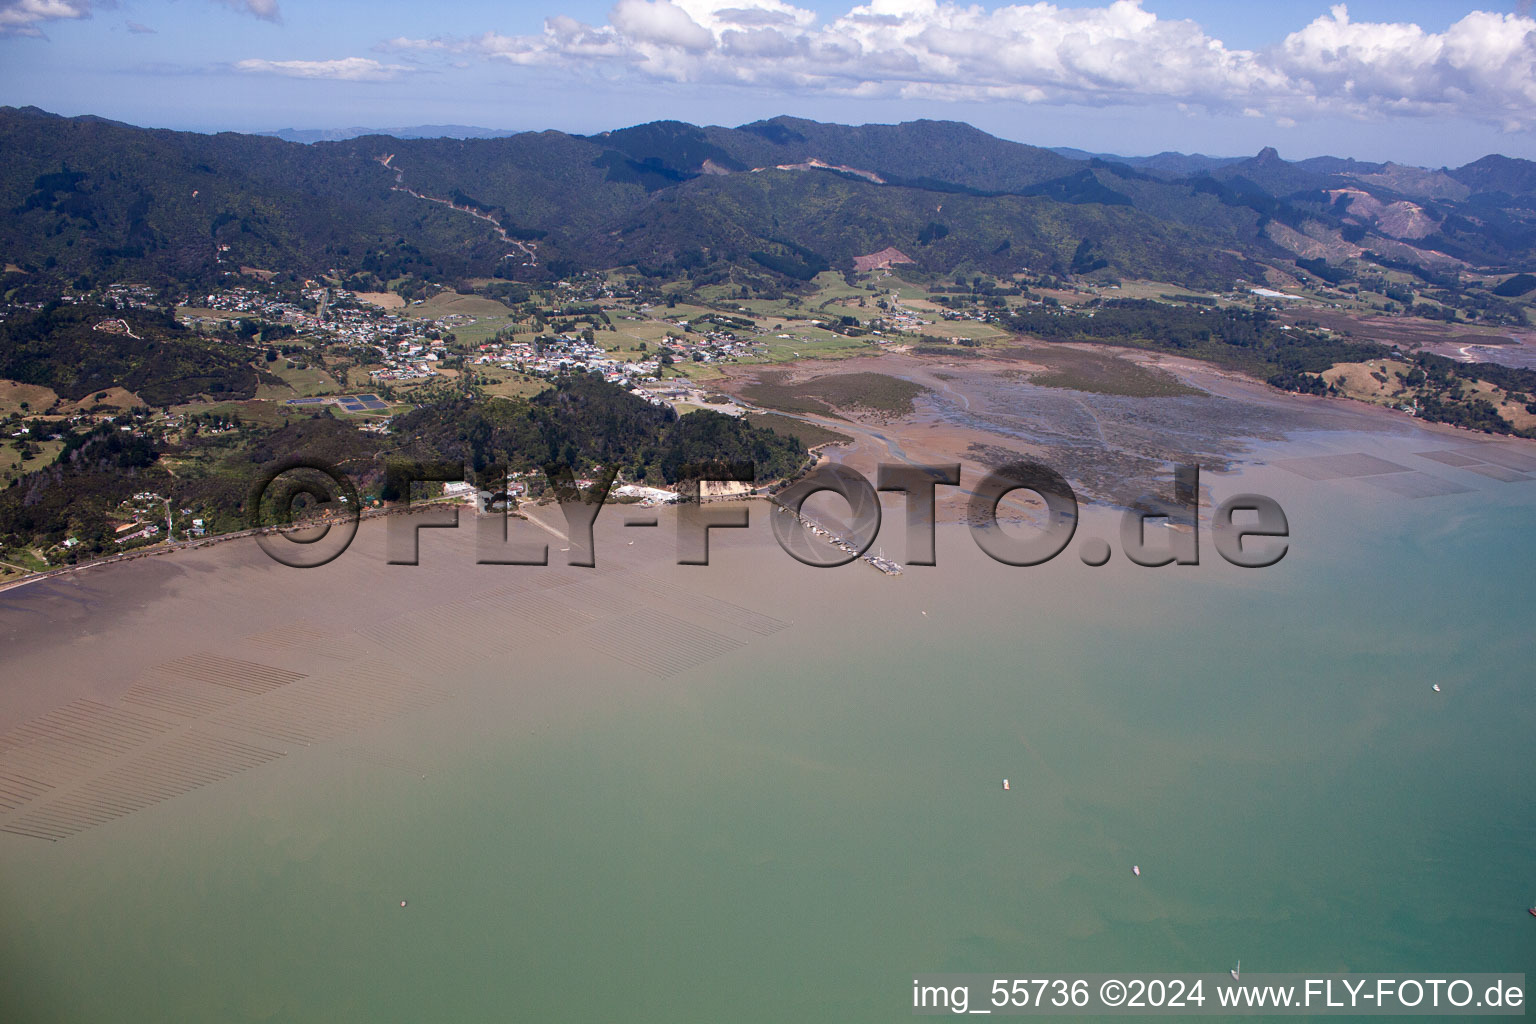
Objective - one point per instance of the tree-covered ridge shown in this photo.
(92, 199)
(80, 349)
(949, 153)
(1437, 384)
(794, 222)
(87, 200)
(584, 422)
(1287, 356)
(1245, 339)
(75, 496)
(102, 465)
(707, 437)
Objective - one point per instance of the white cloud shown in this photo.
(1483, 67)
(22, 17)
(660, 22)
(263, 9)
(346, 69)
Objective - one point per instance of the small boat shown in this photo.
(1237, 972)
(1136, 870)
(1436, 687)
(1005, 785)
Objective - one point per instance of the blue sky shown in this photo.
(1419, 81)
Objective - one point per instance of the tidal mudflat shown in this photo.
(647, 791)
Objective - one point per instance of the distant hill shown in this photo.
(1340, 165)
(1164, 165)
(1496, 173)
(919, 153)
(420, 131)
(1275, 176)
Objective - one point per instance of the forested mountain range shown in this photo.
(420, 131)
(785, 198)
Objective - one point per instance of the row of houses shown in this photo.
(564, 354)
(407, 344)
(516, 487)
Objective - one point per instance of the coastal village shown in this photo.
(369, 356)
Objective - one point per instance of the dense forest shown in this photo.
(80, 349)
(90, 199)
(1441, 397)
(582, 422)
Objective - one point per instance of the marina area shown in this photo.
(888, 566)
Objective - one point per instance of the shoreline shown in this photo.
(1190, 371)
(171, 548)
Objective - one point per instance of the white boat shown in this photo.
(1237, 971)
(1136, 870)
(1436, 687)
(1005, 785)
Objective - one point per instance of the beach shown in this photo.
(773, 788)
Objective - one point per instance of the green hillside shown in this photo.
(89, 199)
(79, 350)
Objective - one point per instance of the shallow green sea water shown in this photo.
(792, 831)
